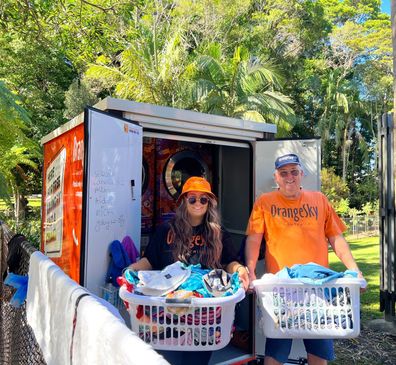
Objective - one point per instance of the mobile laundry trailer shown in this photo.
(117, 169)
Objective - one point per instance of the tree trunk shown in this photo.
(16, 208)
(344, 153)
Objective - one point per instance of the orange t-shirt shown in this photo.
(295, 231)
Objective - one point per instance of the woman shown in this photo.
(193, 236)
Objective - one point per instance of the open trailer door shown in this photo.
(112, 196)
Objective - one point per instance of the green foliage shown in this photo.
(242, 87)
(342, 206)
(39, 75)
(77, 97)
(371, 207)
(149, 70)
(30, 226)
(334, 187)
(16, 150)
(312, 67)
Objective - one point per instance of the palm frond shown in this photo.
(201, 89)
(10, 107)
(342, 101)
(210, 69)
(253, 115)
(214, 104)
(109, 74)
(214, 50)
(275, 107)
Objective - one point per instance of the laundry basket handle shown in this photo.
(178, 300)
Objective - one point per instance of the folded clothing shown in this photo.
(158, 283)
(313, 274)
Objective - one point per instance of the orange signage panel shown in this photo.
(62, 200)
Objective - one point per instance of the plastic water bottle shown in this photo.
(108, 293)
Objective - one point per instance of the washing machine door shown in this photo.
(145, 175)
(181, 166)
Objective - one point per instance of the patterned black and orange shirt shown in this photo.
(159, 250)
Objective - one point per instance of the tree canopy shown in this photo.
(314, 68)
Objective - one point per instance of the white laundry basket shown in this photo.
(292, 309)
(196, 324)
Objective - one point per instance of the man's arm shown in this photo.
(343, 252)
(252, 249)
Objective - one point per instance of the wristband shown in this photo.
(247, 270)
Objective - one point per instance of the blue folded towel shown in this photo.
(313, 274)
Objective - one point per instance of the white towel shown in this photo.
(102, 339)
(163, 282)
(50, 308)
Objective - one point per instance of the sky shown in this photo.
(385, 6)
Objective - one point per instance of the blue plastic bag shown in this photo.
(20, 283)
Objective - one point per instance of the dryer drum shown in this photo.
(180, 167)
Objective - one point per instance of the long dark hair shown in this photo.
(181, 233)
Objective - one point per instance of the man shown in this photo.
(297, 226)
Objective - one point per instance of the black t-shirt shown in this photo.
(159, 251)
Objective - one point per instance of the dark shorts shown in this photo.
(279, 349)
(186, 357)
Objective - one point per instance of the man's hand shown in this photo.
(252, 276)
(360, 276)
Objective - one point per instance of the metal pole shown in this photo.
(390, 310)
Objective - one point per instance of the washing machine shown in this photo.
(148, 185)
(176, 161)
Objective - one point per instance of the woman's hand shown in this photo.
(243, 276)
(142, 264)
(242, 271)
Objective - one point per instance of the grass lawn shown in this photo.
(33, 202)
(366, 253)
(371, 347)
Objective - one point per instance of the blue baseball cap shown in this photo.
(288, 159)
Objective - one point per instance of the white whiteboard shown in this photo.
(113, 196)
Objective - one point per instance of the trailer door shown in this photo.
(113, 190)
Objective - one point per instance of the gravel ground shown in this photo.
(370, 348)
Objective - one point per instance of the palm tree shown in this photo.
(243, 87)
(150, 69)
(342, 107)
(16, 150)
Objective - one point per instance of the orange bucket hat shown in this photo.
(196, 183)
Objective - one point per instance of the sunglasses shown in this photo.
(292, 172)
(192, 200)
